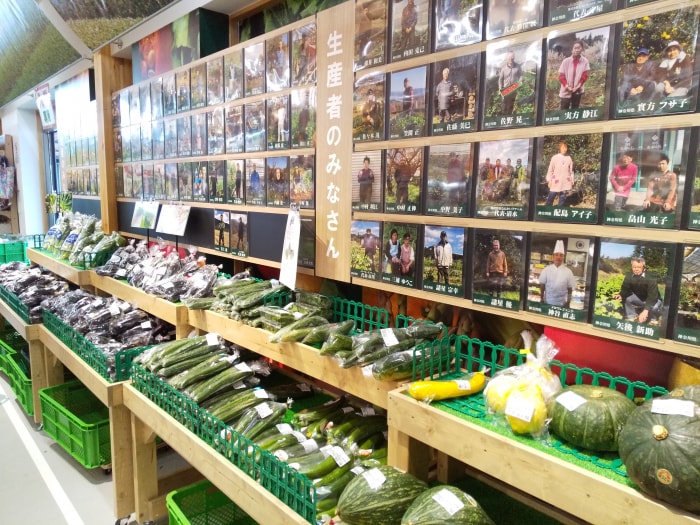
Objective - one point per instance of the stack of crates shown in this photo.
(204, 504)
(14, 363)
(12, 249)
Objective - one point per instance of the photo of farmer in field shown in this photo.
(443, 260)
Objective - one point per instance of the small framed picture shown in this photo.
(222, 230)
(159, 193)
(403, 180)
(304, 55)
(498, 268)
(198, 86)
(398, 255)
(503, 181)
(368, 108)
(443, 260)
(634, 287)
(134, 105)
(182, 80)
(215, 131)
(116, 117)
(277, 169)
(254, 64)
(576, 88)
(277, 54)
(455, 85)
(457, 23)
(647, 177)
(148, 182)
(200, 181)
(146, 141)
(135, 145)
(561, 11)
(370, 33)
(158, 139)
(510, 99)
(234, 129)
(215, 81)
(657, 72)
(559, 276)
(568, 178)
(171, 142)
(118, 150)
(157, 98)
(368, 175)
(217, 180)
(302, 180)
(410, 29)
(235, 179)
(307, 243)
(448, 178)
(125, 106)
(255, 126)
(118, 181)
(303, 117)
(169, 94)
(239, 234)
(366, 239)
(184, 180)
(199, 134)
(407, 103)
(687, 325)
(233, 75)
(184, 136)
(172, 190)
(278, 123)
(136, 182)
(507, 17)
(145, 102)
(255, 183)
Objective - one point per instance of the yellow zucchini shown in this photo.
(439, 389)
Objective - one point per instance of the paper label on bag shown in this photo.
(304, 387)
(115, 259)
(96, 303)
(520, 408)
(326, 450)
(357, 470)
(168, 285)
(463, 384)
(121, 272)
(309, 445)
(212, 339)
(570, 400)
(374, 478)
(263, 410)
(284, 428)
(448, 501)
(339, 455)
(389, 337)
(261, 393)
(124, 306)
(243, 367)
(114, 310)
(301, 438)
(146, 325)
(673, 407)
(367, 411)
(367, 370)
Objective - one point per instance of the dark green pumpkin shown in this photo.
(662, 452)
(594, 425)
(441, 506)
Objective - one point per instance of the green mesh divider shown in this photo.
(280, 297)
(36, 240)
(367, 318)
(435, 358)
(65, 333)
(20, 381)
(78, 421)
(116, 367)
(17, 306)
(87, 261)
(204, 504)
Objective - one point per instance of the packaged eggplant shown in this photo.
(128, 320)
(136, 337)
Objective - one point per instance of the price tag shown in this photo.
(167, 285)
(301, 438)
(212, 339)
(96, 303)
(571, 400)
(124, 307)
(673, 407)
(463, 384)
(260, 393)
(367, 411)
(146, 325)
(147, 270)
(309, 445)
(388, 337)
(243, 367)
(448, 501)
(115, 259)
(114, 310)
(339, 455)
(374, 478)
(160, 271)
(520, 408)
(357, 470)
(263, 410)
(347, 410)
(367, 370)
(281, 455)
(284, 428)
(326, 450)
(121, 272)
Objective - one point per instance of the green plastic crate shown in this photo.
(204, 504)
(5, 351)
(20, 382)
(78, 421)
(13, 251)
(65, 333)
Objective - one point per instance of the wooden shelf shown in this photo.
(58, 267)
(301, 358)
(256, 501)
(414, 427)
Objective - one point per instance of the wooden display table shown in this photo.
(415, 427)
(173, 313)
(30, 333)
(58, 355)
(301, 358)
(148, 420)
(60, 268)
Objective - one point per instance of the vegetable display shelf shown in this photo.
(70, 273)
(174, 313)
(149, 420)
(56, 356)
(300, 357)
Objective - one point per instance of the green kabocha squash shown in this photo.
(378, 496)
(589, 417)
(662, 451)
(691, 392)
(445, 505)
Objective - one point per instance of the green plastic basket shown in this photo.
(64, 332)
(15, 304)
(13, 251)
(78, 421)
(5, 351)
(20, 382)
(204, 504)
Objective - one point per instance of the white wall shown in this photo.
(22, 125)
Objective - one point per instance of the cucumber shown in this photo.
(298, 450)
(336, 343)
(185, 364)
(259, 418)
(314, 299)
(305, 322)
(231, 410)
(308, 415)
(206, 368)
(212, 385)
(199, 303)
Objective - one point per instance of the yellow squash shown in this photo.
(439, 389)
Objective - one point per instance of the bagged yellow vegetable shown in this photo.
(439, 389)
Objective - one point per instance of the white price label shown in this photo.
(519, 408)
(243, 367)
(309, 445)
(148, 270)
(168, 285)
(448, 501)
(570, 400)
(160, 271)
(114, 310)
(96, 303)
(367, 370)
(463, 384)
(124, 307)
(347, 410)
(326, 450)
(367, 411)
(260, 393)
(121, 272)
(339, 455)
(146, 325)
(673, 407)
(115, 259)
(263, 410)
(374, 478)
(301, 438)
(357, 470)
(212, 339)
(284, 428)
(388, 337)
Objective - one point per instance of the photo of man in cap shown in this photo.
(557, 281)
(443, 258)
(637, 80)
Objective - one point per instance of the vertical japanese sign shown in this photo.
(336, 40)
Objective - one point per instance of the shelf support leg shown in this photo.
(37, 364)
(122, 460)
(145, 466)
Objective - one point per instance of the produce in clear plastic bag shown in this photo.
(439, 389)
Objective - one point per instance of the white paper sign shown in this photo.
(374, 478)
(673, 407)
(173, 219)
(448, 501)
(571, 400)
(520, 408)
(290, 250)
